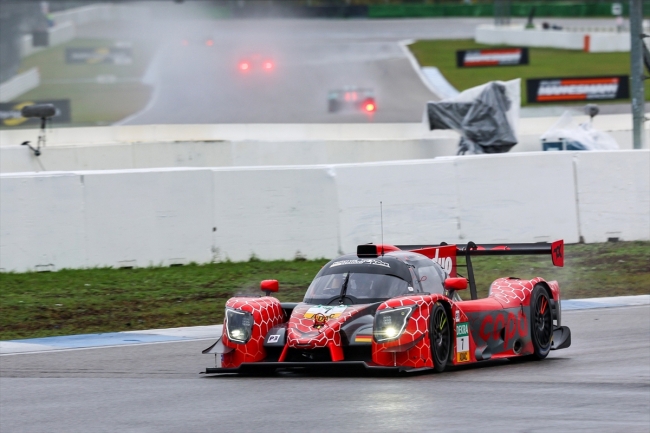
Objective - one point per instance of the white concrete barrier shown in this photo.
(59, 34)
(19, 84)
(229, 132)
(613, 193)
(148, 217)
(14, 159)
(275, 213)
(517, 197)
(419, 202)
(125, 218)
(42, 222)
(128, 147)
(517, 35)
(85, 14)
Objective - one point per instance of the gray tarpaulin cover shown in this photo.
(485, 116)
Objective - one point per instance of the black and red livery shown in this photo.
(396, 308)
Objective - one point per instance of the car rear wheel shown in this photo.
(440, 337)
(541, 322)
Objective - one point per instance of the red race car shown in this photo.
(396, 308)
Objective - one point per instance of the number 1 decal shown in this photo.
(462, 342)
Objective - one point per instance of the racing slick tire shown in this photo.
(541, 322)
(440, 337)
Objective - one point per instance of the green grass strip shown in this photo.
(544, 62)
(92, 103)
(104, 300)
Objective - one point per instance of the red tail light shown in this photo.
(244, 66)
(268, 65)
(209, 42)
(370, 107)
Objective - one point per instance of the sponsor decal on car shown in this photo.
(446, 263)
(577, 89)
(274, 338)
(360, 262)
(462, 341)
(492, 57)
(326, 311)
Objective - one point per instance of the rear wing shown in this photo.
(445, 255)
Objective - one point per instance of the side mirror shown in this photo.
(269, 286)
(455, 284)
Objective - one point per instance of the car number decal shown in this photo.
(462, 342)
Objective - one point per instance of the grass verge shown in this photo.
(105, 300)
(544, 62)
(92, 102)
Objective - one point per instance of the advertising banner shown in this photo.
(92, 56)
(492, 57)
(578, 88)
(10, 112)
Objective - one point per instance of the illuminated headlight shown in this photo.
(239, 325)
(391, 322)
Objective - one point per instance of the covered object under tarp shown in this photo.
(486, 117)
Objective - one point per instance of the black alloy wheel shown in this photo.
(440, 337)
(541, 322)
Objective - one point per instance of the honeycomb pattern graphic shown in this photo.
(267, 312)
(512, 292)
(302, 334)
(412, 348)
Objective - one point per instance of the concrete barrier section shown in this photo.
(42, 222)
(517, 35)
(148, 217)
(275, 213)
(19, 84)
(419, 202)
(130, 218)
(516, 198)
(613, 192)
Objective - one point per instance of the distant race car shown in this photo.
(256, 63)
(351, 98)
(396, 308)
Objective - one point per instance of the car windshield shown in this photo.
(360, 286)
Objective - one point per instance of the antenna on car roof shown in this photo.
(381, 216)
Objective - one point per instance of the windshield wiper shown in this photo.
(344, 288)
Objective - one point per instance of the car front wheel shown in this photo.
(440, 337)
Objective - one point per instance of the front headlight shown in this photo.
(239, 325)
(391, 322)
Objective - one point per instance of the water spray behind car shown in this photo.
(43, 111)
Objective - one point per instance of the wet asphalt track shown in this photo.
(201, 84)
(600, 384)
